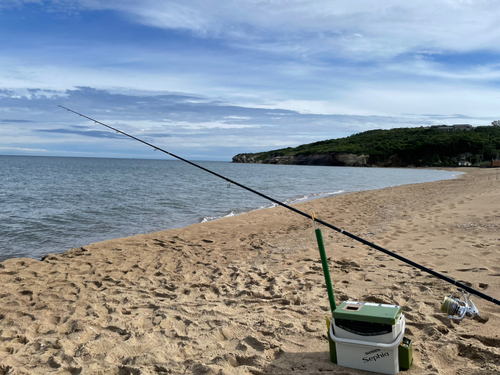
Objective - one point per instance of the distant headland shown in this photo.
(440, 145)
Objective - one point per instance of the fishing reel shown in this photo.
(458, 309)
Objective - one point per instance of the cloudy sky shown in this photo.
(207, 79)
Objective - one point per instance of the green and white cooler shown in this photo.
(369, 336)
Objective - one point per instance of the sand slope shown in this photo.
(246, 295)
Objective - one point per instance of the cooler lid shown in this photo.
(368, 312)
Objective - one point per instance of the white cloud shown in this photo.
(486, 72)
(20, 149)
(358, 29)
(417, 99)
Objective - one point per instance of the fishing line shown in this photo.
(344, 232)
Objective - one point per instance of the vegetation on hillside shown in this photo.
(408, 146)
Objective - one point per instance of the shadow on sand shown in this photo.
(308, 363)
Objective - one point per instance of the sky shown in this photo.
(208, 79)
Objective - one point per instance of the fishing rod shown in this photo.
(450, 305)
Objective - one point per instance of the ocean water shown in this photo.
(51, 204)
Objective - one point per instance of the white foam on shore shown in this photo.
(289, 201)
(309, 197)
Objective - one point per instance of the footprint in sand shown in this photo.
(472, 269)
(477, 353)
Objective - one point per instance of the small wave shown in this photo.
(213, 218)
(304, 198)
(309, 197)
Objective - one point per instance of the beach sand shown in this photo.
(246, 294)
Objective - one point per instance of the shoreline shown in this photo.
(246, 294)
(319, 196)
(51, 234)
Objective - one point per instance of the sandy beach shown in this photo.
(246, 294)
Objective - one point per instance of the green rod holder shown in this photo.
(326, 271)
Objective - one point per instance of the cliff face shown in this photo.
(335, 159)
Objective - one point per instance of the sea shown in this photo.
(51, 204)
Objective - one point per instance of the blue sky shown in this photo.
(209, 79)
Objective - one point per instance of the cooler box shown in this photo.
(369, 336)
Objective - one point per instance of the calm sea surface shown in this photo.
(51, 204)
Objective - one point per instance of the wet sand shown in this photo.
(246, 294)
